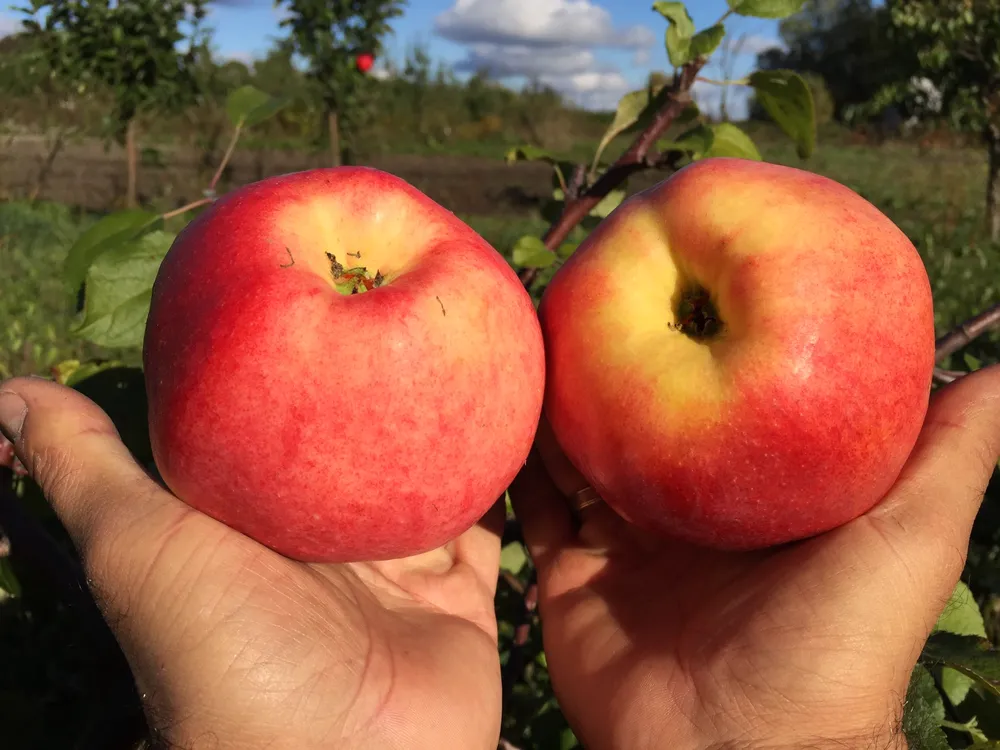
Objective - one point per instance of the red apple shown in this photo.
(740, 356)
(365, 61)
(340, 368)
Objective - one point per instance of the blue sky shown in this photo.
(593, 51)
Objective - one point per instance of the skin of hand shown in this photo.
(656, 644)
(235, 646)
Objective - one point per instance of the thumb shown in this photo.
(70, 447)
(938, 494)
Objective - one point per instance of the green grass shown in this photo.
(36, 307)
(935, 197)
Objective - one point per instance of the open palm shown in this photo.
(656, 644)
(236, 646)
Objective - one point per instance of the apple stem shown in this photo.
(641, 155)
(353, 280)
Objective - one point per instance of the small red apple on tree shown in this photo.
(339, 367)
(364, 62)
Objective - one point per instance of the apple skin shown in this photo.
(799, 415)
(337, 428)
(365, 61)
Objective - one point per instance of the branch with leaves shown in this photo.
(584, 196)
(116, 259)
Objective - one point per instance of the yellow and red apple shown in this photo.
(740, 356)
(340, 368)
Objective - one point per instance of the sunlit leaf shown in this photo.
(119, 289)
(513, 557)
(248, 106)
(961, 616)
(972, 656)
(705, 42)
(679, 31)
(786, 97)
(530, 252)
(729, 140)
(766, 8)
(107, 234)
(608, 203)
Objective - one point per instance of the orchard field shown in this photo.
(933, 193)
(96, 160)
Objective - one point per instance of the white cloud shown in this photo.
(574, 72)
(552, 41)
(514, 60)
(537, 23)
(592, 90)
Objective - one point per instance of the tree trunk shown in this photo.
(993, 181)
(334, 138)
(131, 198)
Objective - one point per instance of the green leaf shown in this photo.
(630, 109)
(248, 106)
(566, 249)
(528, 153)
(690, 114)
(608, 203)
(677, 14)
(729, 140)
(107, 234)
(766, 8)
(10, 587)
(513, 557)
(972, 656)
(961, 616)
(568, 740)
(971, 728)
(923, 712)
(696, 141)
(787, 98)
(266, 111)
(679, 31)
(118, 292)
(973, 363)
(530, 252)
(705, 42)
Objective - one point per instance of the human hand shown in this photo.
(235, 646)
(655, 644)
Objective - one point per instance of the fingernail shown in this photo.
(13, 411)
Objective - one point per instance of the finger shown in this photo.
(479, 547)
(938, 494)
(546, 521)
(599, 527)
(71, 449)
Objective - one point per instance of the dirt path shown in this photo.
(88, 176)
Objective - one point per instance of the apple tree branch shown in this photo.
(640, 156)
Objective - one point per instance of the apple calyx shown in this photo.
(696, 314)
(356, 280)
